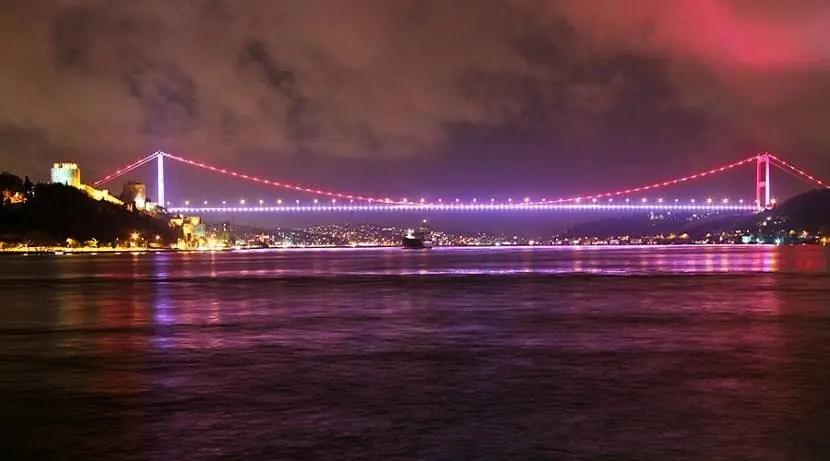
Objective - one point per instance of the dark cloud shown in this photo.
(397, 79)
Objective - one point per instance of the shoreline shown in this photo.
(63, 251)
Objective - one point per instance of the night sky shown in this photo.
(417, 97)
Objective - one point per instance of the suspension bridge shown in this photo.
(334, 201)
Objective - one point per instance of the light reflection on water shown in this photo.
(563, 353)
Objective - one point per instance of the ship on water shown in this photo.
(418, 239)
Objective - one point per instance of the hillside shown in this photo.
(52, 213)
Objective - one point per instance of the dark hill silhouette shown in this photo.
(809, 211)
(54, 212)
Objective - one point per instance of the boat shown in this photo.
(418, 239)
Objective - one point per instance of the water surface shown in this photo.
(562, 353)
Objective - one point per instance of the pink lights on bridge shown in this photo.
(348, 202)
(672, 182)
(282, 185)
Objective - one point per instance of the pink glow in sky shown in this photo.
(758, 34)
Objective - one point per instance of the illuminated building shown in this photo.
(12, 197)
(191, 231)
(69, 174)
(66, 173)
(135, 192)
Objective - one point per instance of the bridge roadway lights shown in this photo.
(462, 208)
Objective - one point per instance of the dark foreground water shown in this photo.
(596, 353)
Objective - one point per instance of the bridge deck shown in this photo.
(466, 208)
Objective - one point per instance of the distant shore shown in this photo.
(42, 250)
(47, 250)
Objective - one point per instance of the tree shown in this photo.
(10, 182)
(28, 188)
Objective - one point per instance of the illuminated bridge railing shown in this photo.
(483, 207)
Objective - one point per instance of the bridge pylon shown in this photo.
(762, 184)
(160, 179)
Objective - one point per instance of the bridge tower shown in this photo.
(762, 184)
(160, 179)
